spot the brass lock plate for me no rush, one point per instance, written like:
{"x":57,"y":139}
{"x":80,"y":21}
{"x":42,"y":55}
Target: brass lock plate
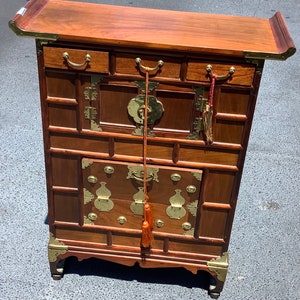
{"x":136,"y":109}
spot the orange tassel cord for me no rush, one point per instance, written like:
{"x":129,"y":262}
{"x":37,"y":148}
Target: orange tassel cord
{"x":146,"y":235}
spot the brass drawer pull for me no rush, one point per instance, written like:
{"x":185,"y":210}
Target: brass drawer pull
{"x":87,"y":59}
{"x":209,"y":70}
{"x":159,"y":65}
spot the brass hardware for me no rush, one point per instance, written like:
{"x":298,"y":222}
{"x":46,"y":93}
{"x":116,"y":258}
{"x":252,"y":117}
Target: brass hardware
{"x":87,"y":221}
{"x":140,"y":131}
{"x":92,"y":179}
{"x":142,"y":85}
{"x":250,"y":56}
{"x":87,"y":196}
{"x":122,"y":220}
{"x":159,"y":223}
{"x":197,"y":127}
{"x":192,"y":208}
{"x":136,"y":109}
{"x":86,"y":163}
{"x":109,"y":170}
{"x":191,"y":189}
{"x":55,"y":248}
{"x":201,"y":101}
{"x":92,"y":216}
{"x":137,"y":207}
{"x":87,"y":59}
{"x":175,"y":177}
{"x":219,"y":266}
{"x":90,"y":92}
{"x":95,"y":126}
{"x":137,"y":173}
{"x":198,"y":175}
{"x":103,"y":203}
{"x":199,"y":107}
{"x":221,"y":77}
{"x":36,"y":35}
{"x":90,"y":113}
{"x":186,"y":226}
{"x":159,"y":65}
{"x":175,"y":210}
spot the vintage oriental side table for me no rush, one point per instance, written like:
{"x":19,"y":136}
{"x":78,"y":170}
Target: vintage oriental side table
{"x":146,"y":119}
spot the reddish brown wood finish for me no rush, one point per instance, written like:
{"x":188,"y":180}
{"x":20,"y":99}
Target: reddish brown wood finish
{"x":78,"y":146}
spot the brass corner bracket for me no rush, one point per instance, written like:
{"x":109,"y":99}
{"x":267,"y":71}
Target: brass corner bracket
{"x":55,"y":248}
{"x":219,"y":266}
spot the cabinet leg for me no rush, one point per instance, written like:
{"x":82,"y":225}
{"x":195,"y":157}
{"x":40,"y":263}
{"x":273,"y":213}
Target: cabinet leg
{"x":57,"y":269}
{"x":215,"y":288}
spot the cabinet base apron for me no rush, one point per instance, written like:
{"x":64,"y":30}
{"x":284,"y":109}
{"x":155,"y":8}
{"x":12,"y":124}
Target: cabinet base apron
{"x":217,"y":267}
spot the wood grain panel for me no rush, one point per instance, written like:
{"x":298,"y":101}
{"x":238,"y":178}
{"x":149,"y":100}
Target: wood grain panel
{"x":64,"y":171}
{"x":66,"y":207}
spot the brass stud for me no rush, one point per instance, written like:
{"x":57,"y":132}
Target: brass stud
{"x":109,"y":170}
{"x":92,"y":179}
{"x":186,"y":226}
{"x":159,"y":223}
{"x":175,"y":177}
{"x":122,"y":220}
{"x":191,"y":189}
{"x":92,"y":216}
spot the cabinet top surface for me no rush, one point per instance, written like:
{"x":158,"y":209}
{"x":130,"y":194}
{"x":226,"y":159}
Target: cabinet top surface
{"x":155,"y":29}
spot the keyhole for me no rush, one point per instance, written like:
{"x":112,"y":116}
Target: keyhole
{"x":141,"y":111}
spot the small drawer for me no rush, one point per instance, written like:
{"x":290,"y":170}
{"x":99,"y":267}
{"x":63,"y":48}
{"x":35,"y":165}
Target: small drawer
{"x":243,"y":74}
{"x":126,"y":64}
{"x":78,"y":60}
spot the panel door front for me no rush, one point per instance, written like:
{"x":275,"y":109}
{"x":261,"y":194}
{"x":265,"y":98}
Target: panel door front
{"x":114,"y":196}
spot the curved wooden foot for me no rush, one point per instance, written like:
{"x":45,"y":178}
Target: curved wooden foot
{"x":57,"y":269}
{"x":215,"y":288}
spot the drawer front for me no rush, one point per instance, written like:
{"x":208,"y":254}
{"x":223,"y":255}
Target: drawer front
{"x":243,"y":74}
{"x":77,"y":60}
{"x":126,"y":64}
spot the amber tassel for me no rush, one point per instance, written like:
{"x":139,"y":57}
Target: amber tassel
{"x":146,"y":235}
{"x":148,"y":214}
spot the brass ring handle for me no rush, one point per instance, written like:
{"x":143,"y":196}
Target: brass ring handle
{"x":141,"y":179}
{"x":87,"y":59}
{"x":220,"y":77}
{"x":159,"y":65}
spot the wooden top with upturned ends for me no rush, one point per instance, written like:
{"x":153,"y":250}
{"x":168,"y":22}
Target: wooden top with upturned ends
{"x":155,"y":29}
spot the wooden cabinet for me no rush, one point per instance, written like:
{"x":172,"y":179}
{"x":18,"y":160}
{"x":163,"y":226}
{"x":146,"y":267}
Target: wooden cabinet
{"x":146,"y":127}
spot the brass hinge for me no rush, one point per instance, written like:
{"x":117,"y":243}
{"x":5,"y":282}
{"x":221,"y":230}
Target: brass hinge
{"x":198,"y":126}
{"x":90,"y":113}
